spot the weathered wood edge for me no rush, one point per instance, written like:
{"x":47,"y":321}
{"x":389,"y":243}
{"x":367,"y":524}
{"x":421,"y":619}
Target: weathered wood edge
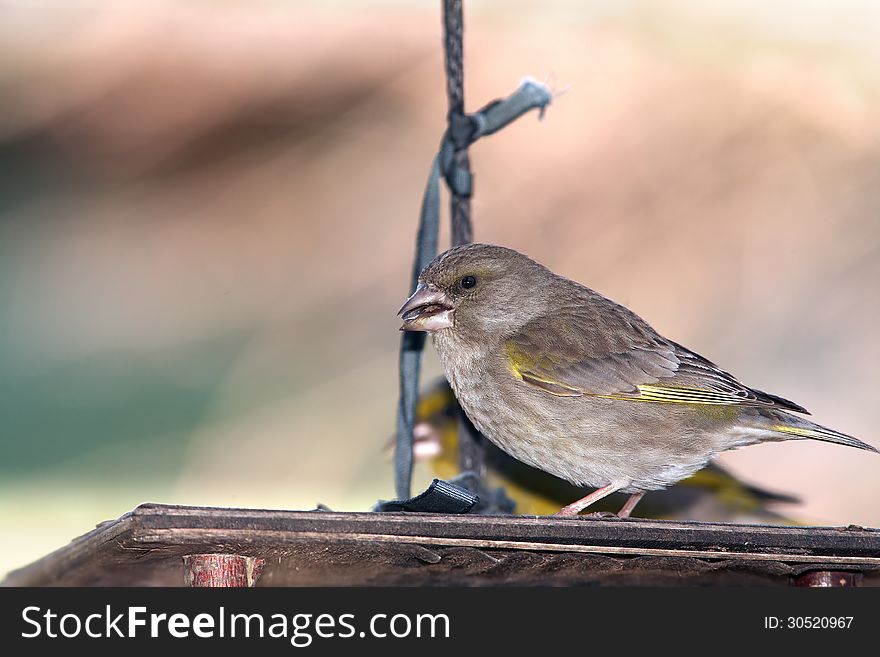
{"x":165,"y":531}
{"x":598,"y":532}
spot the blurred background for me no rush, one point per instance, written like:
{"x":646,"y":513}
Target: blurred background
{"x":208,"y":209}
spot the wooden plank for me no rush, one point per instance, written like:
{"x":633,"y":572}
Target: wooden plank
{"x":146,"y":546}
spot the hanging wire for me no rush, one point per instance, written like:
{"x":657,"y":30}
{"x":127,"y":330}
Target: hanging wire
{"x":453,"y":45}
{"x":451,"y":162}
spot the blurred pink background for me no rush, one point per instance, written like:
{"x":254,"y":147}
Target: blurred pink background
{"x":207,"y":214}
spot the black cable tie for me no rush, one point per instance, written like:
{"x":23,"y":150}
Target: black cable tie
{"x":440,"y":497}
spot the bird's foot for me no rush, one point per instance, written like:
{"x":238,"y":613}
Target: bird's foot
{"x":575,"y":508}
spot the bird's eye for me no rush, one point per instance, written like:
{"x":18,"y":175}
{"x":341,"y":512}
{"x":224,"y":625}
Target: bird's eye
{"x":468,"y":282}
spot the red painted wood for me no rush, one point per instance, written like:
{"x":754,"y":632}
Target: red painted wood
{"x":828,"y":578}
{"x":221,"y":570}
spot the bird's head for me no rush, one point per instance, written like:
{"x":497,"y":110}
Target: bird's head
{"x":477,"y":290}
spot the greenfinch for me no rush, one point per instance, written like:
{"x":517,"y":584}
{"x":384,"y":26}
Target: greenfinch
{"x":574,"y":384}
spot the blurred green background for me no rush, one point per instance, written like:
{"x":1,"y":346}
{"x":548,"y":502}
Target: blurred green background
{"x":207,"y":212}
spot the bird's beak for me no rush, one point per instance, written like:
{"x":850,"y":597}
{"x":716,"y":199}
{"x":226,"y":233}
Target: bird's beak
{"x":428,"y":309}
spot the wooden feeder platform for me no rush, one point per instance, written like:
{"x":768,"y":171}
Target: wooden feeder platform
{"x":159,"y":545}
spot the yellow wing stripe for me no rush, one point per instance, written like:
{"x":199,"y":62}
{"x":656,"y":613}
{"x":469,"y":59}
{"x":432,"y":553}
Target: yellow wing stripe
{"x":677,"y":395}
{"x":803,"y":433}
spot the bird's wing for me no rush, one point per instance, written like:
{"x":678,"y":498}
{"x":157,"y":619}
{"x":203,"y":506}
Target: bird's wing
{"x":602,"y":349}
{"x":596,"y":349}
{"x":699,"y":372}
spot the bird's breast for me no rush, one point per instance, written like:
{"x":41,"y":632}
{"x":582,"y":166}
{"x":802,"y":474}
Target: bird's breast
{"x":472,"y":371}
{"x":494,"y":400}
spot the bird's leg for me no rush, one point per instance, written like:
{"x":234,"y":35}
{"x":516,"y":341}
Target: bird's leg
{"x":576,"y":507}
{"x":630,"y":505}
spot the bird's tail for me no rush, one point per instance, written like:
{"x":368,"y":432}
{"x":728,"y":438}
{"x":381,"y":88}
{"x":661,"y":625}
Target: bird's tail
{"x":793,"y":427}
